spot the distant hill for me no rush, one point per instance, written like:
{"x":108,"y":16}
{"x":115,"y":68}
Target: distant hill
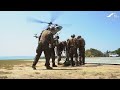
{"x":93,"y":53}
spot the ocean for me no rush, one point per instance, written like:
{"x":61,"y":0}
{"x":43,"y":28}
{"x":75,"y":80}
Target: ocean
{"x":102,"y":60}
{"x":15,"y":57}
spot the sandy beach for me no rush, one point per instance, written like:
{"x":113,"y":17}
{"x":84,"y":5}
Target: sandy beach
{"x":21,"y":69}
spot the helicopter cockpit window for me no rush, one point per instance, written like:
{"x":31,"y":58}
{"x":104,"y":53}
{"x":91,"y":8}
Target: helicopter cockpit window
{"x":58,"y":27}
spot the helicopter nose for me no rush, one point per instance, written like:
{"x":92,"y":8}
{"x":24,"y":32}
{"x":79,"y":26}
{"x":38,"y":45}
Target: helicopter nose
{"x":59,"y":27}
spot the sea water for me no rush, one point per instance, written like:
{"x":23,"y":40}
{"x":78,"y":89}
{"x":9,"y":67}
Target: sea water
{"x":15,"y":57}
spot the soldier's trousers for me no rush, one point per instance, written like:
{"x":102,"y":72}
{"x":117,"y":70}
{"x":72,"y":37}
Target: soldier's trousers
{"x":52,"y":55}
{"x":59,"y":57}
{"x":82,"y":55}
{"x":39,"y":50}
{"x":72,"y":54}
{"x":67,"y":55}
{"x":58,"y":52}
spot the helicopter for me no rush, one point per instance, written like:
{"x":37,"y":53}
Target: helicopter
{"x":50,"y":24}
{"x":56,"y":27}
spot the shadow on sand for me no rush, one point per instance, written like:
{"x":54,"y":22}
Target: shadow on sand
{"x":70,"y":68}
{"x":73,"y":68}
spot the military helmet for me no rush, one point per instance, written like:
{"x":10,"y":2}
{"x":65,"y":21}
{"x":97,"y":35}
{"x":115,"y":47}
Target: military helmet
{"x":73,"y":35}
{"x":57,"y":37}
{"x":79,"y":37}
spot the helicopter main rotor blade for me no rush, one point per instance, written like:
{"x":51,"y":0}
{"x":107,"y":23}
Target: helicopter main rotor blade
{"x":36,"y":20}
{"x":55,"y":15}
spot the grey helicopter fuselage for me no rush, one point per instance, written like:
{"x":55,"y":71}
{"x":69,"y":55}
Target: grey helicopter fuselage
{"x":57,"y":28}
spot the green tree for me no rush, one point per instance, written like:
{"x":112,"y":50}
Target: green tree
{"x":118,"y":51}
{"x":107,"y":53}
{"x":88,"y":53}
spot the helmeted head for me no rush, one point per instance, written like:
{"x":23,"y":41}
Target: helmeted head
{"x":78,"y":37}
{"x":64,"y":42}
{"x":73,"y":35}
{"x":57,"y":37}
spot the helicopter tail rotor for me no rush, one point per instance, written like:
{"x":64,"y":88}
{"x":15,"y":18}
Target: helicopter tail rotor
{"x":35,"y":35}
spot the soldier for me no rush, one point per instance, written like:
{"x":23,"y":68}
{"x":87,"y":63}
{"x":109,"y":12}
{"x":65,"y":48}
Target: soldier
{"x":59,"y":49}
{"x":55,"y":43}
{"x":45,"y":38}
{"x":81,"y":47}
{"x":67,"y":51}
{"x":72,"y":49}
{"x":52,"y":50}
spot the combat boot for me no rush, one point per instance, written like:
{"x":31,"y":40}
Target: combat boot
{"x":72,"y":63}
{"x":80,"y":63}
{"x":53,"y":65}
{"x":77,"y":64}
{"x":59,"y":63}
{"x":48,"y":67}
{"x":83,"y":63}
{"x":34,"y":68}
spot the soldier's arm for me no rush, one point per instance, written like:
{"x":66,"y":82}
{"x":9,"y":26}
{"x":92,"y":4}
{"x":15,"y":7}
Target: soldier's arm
{"x":51,"y":38}
{"x":39,"y":38}
{"x":84,"y":42}
{"x":40,"y":35}
{"x":76,"y":42}
{"x":68,"y":43}
{"x":64,"y":47}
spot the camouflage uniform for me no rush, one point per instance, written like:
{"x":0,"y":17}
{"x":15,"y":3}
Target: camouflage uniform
{"x":45,"y":38}
{"x":67,"y":51}
{"x":72,"y":49}
{"x":52,"y":53}
{"x":59,"y":49}
{"x":81,"y":47}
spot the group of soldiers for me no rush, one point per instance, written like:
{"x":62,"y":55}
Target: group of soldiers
{"x":73,"y":47}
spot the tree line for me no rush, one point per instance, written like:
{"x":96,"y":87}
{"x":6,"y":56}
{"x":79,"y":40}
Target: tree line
{"x":97,"y":53}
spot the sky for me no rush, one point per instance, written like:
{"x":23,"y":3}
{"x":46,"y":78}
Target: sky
{"x":100,"y":29}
